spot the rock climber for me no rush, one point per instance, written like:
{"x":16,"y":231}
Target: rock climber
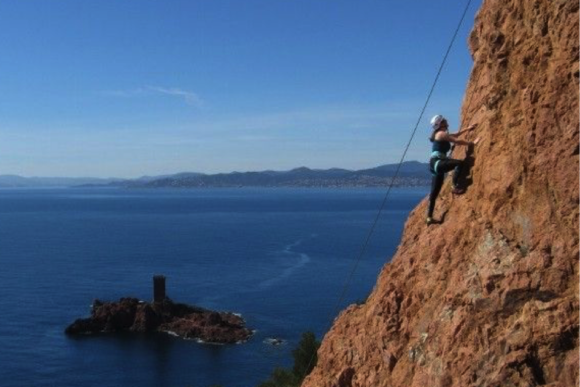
{"x":440,"y":164}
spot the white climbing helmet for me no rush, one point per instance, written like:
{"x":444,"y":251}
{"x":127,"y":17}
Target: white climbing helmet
{"x":436,"y":121}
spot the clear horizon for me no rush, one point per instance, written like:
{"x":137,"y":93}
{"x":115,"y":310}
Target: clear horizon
{"x":128,"y":89}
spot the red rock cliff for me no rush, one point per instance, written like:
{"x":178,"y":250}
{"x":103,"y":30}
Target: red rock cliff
{"x":489,"y":297}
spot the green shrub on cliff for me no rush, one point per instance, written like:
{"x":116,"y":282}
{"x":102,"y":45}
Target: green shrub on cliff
{"x":282,"y":378}
{"x":305,"y":356}
{"x":305,"y":359}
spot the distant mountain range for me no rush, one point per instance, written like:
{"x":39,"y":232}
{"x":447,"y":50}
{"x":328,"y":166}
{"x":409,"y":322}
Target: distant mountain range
{"x":412,"y":173}
{"x":16,"y":181}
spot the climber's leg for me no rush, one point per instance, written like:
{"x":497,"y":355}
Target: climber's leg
{"x":449,"y":165}
{"x":436,"y":184}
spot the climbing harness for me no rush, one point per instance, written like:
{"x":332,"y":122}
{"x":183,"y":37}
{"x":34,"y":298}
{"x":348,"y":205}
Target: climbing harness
{"x":438,"y":156}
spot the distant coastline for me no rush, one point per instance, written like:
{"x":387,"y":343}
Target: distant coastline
{"x":410,"y":174}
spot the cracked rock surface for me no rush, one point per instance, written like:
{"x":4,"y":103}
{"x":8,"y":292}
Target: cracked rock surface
{"x":489,"y":297}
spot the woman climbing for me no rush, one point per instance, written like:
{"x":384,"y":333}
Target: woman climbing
{"x":440,"y":164}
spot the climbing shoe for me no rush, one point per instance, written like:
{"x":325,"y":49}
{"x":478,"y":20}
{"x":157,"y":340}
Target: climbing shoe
{"x":429,"y":221}
{"x":458,"y":191}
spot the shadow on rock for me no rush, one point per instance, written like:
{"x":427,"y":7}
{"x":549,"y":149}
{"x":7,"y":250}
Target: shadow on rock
{"x":465,"y":178}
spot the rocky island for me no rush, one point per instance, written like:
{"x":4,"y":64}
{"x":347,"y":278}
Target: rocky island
{"x":162,"y":315}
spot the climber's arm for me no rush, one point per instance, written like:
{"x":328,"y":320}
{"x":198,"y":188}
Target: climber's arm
{"x":453,"y":138}
{"x":467,"y":130}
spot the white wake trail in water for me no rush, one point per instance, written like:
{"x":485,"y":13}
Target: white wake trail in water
{"x":300,"y":260}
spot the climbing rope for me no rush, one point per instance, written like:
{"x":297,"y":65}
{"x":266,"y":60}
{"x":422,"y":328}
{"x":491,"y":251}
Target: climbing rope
{"x":377,"y":217}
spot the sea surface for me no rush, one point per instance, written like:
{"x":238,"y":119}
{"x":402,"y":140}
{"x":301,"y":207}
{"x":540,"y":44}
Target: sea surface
{"x":280,"y":257}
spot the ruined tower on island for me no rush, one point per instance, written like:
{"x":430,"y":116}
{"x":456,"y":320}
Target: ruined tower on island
{"x":158,"y":288}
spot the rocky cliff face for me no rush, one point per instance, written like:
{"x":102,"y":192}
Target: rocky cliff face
{"x":490,"y":296}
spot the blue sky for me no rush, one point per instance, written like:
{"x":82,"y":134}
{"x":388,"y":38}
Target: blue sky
{"x":127,"y":88}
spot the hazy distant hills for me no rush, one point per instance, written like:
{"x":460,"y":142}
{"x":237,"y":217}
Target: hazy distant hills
{"x":412,"y":173}
{"x":15,"y":181}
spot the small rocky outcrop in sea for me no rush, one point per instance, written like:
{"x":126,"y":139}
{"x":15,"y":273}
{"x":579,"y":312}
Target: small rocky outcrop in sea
{"x":190,"y":322}
{"x":162,"y":315}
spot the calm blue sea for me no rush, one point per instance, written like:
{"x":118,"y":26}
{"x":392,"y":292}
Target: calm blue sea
{"x":280,"y":257}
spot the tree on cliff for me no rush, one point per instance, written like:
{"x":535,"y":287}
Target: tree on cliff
{"x":305,"y":358}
